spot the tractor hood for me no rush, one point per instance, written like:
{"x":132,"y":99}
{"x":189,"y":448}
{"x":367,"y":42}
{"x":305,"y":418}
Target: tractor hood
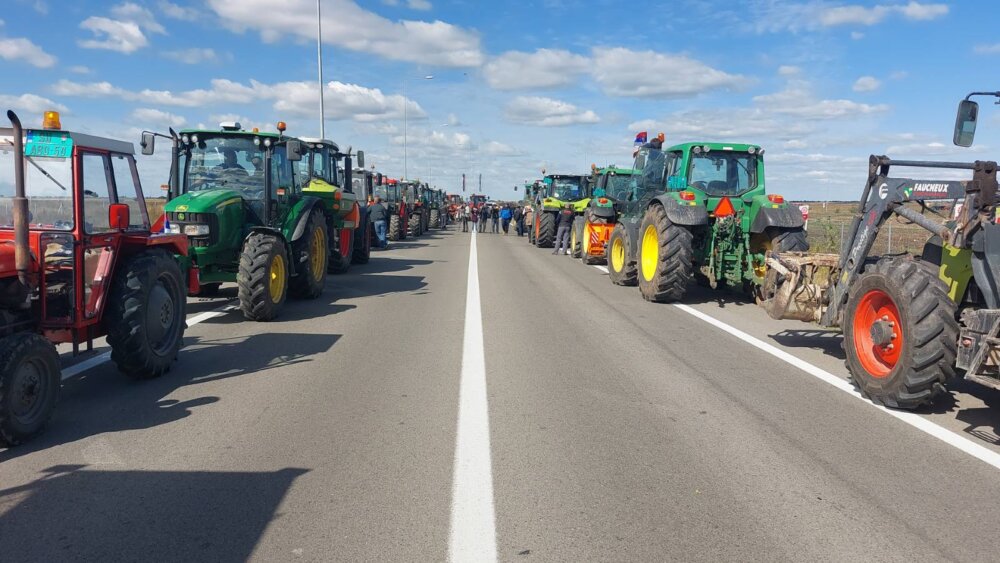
{"x":207,"y":201}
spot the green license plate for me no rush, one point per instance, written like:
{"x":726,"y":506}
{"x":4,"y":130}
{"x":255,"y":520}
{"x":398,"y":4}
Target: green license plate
{"x":48,"y":144}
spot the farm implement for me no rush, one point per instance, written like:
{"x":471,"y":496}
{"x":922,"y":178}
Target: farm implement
{"x":592,"y":229}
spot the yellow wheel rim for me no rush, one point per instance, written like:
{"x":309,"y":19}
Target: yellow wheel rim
{"x":650,"y":252}
{"x":276,"y":285}
{"x":317,"y":251}
{"x":586,"y":239}
{"x":618,"y":255}
{"x":572,"y":239}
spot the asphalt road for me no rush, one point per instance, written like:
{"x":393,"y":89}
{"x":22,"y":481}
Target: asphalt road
{"x":616,"y":430}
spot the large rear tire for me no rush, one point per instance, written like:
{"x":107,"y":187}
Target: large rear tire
{"x":29,"y":386}
{"x":576,"y":237}
{"x":415,"y":224}
{"x":145,"y":315}
{"x":395,"y":228}
{"x":789,"y":240}
{"x":900,"y":333}
{"x":263,"y":277}
{"x":435,"y":219}
{"x":340,"y":255}
{"x":621,"y":266}
{"x":665,"y":257}
{"x":546,"y":235}
{"x":314,"y":247}
{"x":362,"y":244}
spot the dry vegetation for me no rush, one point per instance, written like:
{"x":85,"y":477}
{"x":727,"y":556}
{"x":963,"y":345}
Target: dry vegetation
{"x":829,"y":225}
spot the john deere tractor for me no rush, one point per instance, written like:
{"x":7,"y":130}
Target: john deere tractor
{"x":557,"y":191}
{"x":700,"y":211}
{"x":591,"y":230}
{"x":437,"y":209}
{"x":322,"y":179}
{"x":240,"y":197}
{"x":413,"y":195}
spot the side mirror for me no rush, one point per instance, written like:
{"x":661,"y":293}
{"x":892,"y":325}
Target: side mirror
{"x":118,"y":216}
{"x":965,"y":123}
{"x":293,"y":149}
{"x":147,"y":143}
{"x":361,"y":159}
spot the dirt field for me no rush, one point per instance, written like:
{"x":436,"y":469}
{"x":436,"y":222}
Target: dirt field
{"x":828,"y":226}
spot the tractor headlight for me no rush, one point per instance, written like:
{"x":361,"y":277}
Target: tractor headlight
{"x":194,"y":139}
{"x":185,"y":139}
{"x":195,"y":230}
{"x":174,"y":229}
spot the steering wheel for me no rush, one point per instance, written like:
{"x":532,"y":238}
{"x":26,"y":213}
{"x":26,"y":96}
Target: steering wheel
{"x":700,"y":184}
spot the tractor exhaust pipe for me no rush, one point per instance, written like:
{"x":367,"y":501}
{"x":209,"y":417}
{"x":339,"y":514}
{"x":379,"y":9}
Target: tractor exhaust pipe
{"x":22,"y":256}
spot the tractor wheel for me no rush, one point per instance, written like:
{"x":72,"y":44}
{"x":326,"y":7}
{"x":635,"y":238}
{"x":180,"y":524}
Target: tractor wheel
{"x":340,"y":257}
{"x":665,"y":257}
{"x":311,"y":277}
{"x":394,"y":228}
{"x":263,"y":277}
{"x":435,"y":219}
{"x":788,"y":240}
{"x":29,"y":386}
{"x":545,"y":237}
{"x":621,"y":267}
{"x":362,"y":244}
{"x":414,"y":226}
{"x":900,"y":333}
{"x":145,"y":315}
{"x":576,"y":237}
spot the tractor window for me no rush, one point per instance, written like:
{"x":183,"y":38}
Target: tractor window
{"x":281,"y":170}
{"x":48,"y":183}
{"x":96,"y":198}
{"x":618,"y":186}
{"x":233,"y":163}
{"x":128,"y":190}
{"x":723,"y":173}
{"x":653,"y":171}
{"x":566,"y":189}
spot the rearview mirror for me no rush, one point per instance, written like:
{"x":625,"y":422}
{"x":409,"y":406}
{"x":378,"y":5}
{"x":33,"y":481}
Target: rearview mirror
{"x":361,"y":159}
{"x":965,"y":123}
{"x":293,"y":150}
{"x":118,"y":216}
{"x":147,"y":142}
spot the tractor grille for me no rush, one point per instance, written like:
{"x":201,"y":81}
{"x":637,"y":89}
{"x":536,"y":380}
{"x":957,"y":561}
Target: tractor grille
{"x":210,"y":219}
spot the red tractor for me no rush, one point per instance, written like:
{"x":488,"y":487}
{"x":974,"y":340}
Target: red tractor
{"x":455,"y":203}
{"x":78,"y":262}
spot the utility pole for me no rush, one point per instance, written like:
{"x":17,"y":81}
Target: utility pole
{"x":319,"y":58}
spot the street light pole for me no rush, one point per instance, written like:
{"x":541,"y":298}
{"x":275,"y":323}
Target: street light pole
{"x":319,"y":58}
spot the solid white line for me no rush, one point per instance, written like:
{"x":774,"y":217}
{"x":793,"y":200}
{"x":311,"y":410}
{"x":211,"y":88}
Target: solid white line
{"x":602,"y":268}
{"x":78,"y":368}
{"x":472,"y":536}
{"x":953,"y":439}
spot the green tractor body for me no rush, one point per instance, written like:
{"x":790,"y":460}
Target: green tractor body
{"x":611,"y":187}
{"x":556,"y":192}
{"x":701,"y":210}
{"x":323,"y":178}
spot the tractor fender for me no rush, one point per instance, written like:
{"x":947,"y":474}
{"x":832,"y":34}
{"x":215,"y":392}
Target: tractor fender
{"x":603,"y":212}
{"x":631,"y":225}
{"x":304,"y":210}
{"x":284,"y":240}
{"x":362,"y":218}
{"x":687,"y":215}
{"x":785,"y":217}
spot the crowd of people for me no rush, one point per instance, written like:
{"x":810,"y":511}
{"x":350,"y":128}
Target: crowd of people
{"x":493,"y":218}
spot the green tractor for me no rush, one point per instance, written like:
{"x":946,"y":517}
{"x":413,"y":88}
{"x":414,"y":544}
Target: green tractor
{"x":240,"y":197}
{"x":323,"y":179}
{"x":437,"y":209}
{"x":557,"y":190}
{"x":699,"y":211}
{"x":591,"y":230}
{"x":414,"y":194}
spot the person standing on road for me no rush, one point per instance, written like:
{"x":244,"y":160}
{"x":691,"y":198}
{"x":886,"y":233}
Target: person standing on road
{"x":518,"y":217}
{"x":379,"y":217}
{"x":475,"y":220}
{"x":505,"y":216}
{"x":464,"y":216}
{"x":496,"y":219}
{"x":484,"y":216}
{"x":566,"y":217}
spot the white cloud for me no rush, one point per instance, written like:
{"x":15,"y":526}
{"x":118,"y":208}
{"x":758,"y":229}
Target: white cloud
{"x":798,"y":101}
{"x":31,"y":103}
{"x":789,"y":70}
{"x":347,"y":25}
{"x":856,"y":35}
{"x":13,"y":49}
{"x":178,"y":12}
{"x":193,"y":56}
{"x":545,"y":68}
{"x":898,"y":75}
{"x":866,"y":84}
{"x":918,"y":11}
{"x":496,"y":148}
{"x":124,"y":32}
{"x":453,"y":120}
{"x":158,"y":117}
{"x":773,"y":16}
{"x":80,"y":69}
{"x":419,"y":4}
{"x":861,"y":15}
{"x":985,"y":49}
{"x":795,"y":144}
{"x":546,"y":112}
{"x":658,"y":75}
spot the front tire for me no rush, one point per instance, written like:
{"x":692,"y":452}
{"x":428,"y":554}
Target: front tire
{"x":263,"y":277}
{"x":665,"y":257}
{"x":363,"y":244}
{"x":576,"y":237}
{"x":621,"y":266}
{"x":415,"y":224}
{"x":435,"y":221}
{"x":30,"y":382}
{"x":394,"y":228}
{"x":145,"y":315}
{"x":340,"y":257}
{"x":900,"y":334}
{"x":545,"y":238}
{"x":311,"y":278}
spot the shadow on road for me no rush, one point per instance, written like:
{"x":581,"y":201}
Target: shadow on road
{"x":81,"y":514}
{"x":830,"y":342}
{"x":385,"y":265}
{"x":106,"y":401}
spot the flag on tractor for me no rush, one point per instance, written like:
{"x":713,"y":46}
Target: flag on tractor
{"x":640,"y":139}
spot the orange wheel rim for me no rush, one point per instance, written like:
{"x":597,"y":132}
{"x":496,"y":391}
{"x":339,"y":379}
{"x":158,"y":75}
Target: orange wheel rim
{"x":877,"y":317}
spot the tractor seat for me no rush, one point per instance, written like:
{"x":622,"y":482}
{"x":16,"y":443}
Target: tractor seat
{"x":718,"y":187}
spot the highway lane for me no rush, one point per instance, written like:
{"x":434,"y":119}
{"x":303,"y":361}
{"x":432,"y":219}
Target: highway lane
{"x":618,"y":430}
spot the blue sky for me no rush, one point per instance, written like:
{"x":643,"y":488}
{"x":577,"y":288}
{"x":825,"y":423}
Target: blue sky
{"x":521,"y":86}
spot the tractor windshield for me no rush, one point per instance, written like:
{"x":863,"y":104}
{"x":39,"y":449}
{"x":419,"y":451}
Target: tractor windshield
{"x":618,"y":186}
{"x":566,"y":189}
{"x":48,"y":183}
{"x":723,"y":173}
{"x":228,"y":162}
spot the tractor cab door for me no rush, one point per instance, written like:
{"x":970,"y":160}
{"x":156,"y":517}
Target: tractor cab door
{"x":285,"y":187}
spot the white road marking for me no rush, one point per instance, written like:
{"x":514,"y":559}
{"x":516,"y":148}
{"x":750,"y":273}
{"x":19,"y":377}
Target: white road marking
{"x":603,"y":269}
{"x":78,"y":368}
{"x":472,"y":536}
{"x":953,"y":439}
